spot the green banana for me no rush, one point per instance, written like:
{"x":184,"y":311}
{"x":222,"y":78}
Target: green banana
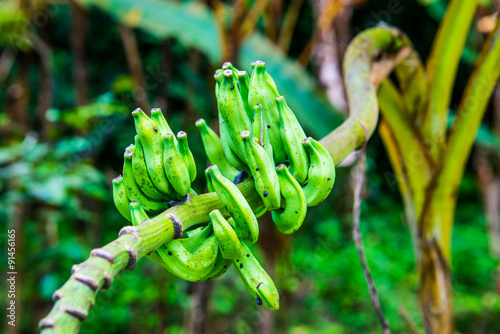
{"x":292,"y":136}
{"x":269,"y":78}
{"x":161,"y":122}
{"x":321,"y":176}
{"x":290,"y":219}
{"x":186,"y":154}
{"x":139,"y":216}
{"x":142,"y":177}
{"x":214,"y":150}
{"x":221,"y":266}
{"x":246,"y":225}
{"x":134,"y":193}
{"x":225,"y":138}
{"x":261,"y":92}
{"x":234,"y":116}
{"x":263,"y":172}
{"x":244,"y":86}
{"x":259,"y":133}
{"x":120,"y":197}
{"x":152,"y":144}
{"x":229,"y":243}
{"x":256,"y":280}
{"x":175,"y":168}
{"x":192,"y":258}
{"x":218,"y":76}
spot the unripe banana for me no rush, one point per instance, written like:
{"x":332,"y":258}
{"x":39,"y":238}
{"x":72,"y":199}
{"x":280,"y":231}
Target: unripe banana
{"x":218,"y":76}
{"x":214,"y":150}
{"x":229,"y":66}
{"x":259,"y":132}
{"x":139,"y":216}
{"x":120,"y":197}
{"x":290,"y":219}
{"x":162,"y":124}
{"x":256,"y":280}
{"x":142,"y":177}
{"x":246,"y":225}
{"x":229,"y":243}
{"x":175,"y":168}
{"x":321,"y":176}
{"x":225,"y":138}
{"x":152,"y":144}
{"x":221,"y":266}
{"x":261,"y":92}
{"x":263,"y":172}
{"x":134,"y":193}
{"x":232,"y":110}
{"x":244,"y":86}
{"x":186,"y":154}
{"x":292,"y":136}
{"x":192,"y":258}
{"x":269,"y":78}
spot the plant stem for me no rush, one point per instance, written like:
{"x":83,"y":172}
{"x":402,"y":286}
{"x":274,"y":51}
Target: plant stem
{"x":78,"y":294}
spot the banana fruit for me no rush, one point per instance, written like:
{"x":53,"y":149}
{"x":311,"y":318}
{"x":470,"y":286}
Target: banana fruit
{"x":192,"y":258}
{"x":256,"y":280}
{"x":290,"y":218}
{"x":321,"y":175}
{"x":214,"y":151}
{"x":229,"y":243}
{"x":246,"y":225}
{"x":263,"y":172}
{"x":292,"y":136}
{"x":120,"y":197}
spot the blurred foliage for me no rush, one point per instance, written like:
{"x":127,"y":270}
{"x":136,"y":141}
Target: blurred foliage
{"x":56,"y":167}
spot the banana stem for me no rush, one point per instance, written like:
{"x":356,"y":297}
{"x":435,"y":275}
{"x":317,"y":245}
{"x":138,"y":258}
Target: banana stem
{"x":74,"y":300}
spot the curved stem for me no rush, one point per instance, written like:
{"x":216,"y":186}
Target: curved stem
{"x":73,"y":301}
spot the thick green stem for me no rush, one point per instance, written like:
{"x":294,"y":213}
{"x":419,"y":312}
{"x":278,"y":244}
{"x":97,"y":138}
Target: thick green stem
{"x":442,"y":67}
{"x":77,"y":296}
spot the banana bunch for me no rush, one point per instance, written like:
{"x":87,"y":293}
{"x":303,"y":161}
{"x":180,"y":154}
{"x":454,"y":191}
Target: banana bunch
{"x":260,"y":138}
{"x":158,"y":168}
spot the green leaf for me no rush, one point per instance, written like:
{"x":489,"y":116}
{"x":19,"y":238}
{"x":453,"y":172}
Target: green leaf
{"x":189,"y":22}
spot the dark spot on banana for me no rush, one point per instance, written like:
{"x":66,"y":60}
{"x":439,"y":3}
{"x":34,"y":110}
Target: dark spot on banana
{"x":155,"y":129}
{"x":169,"y":253}
{"x":296,"y":212}
{"x":268,"y":126}
{"x":241,"y":265}
{"x":257,"y":168}
{"x":248,"y":255}
{"x":237,"y":260}
{"x":232,"y":87}
{"x":329,"y":178}
{"x":225,"y":267}
{"x":265,"y":193}
{"x":259,"y":301}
